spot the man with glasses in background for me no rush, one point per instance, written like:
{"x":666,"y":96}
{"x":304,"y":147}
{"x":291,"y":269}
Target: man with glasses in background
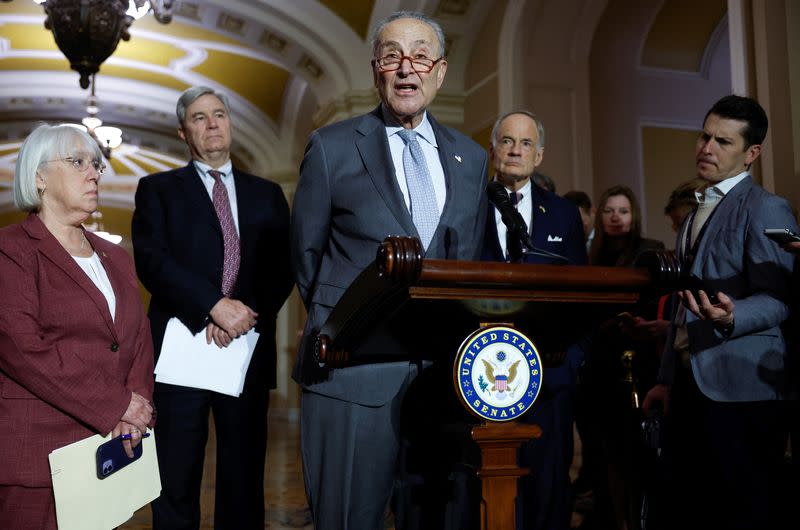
{"x":393,"y":171}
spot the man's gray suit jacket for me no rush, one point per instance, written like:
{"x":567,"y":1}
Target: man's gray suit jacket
{"x":734,"y":256}
{"x":347,"y":202}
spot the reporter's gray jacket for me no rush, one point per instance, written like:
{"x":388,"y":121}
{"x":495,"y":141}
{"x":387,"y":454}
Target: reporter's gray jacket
{"x":735,"y":257}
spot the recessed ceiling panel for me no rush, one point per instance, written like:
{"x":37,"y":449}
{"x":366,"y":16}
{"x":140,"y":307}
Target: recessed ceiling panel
{"x":260,"y":82}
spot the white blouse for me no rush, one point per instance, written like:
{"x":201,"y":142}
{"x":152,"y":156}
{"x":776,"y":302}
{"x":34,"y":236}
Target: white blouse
{"x":95,"y":271}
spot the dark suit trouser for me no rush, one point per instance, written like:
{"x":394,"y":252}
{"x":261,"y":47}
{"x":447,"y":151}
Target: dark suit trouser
{"x":545,"y":496}
{"x":182,"y":432}
{"x":726,"y":458}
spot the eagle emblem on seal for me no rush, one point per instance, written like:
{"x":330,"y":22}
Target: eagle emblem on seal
{"x":500,"y":376}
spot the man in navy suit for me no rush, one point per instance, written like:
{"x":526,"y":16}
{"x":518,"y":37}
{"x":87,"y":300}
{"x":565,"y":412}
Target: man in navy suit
{"x":555,"y":227}
{"x":724,"y":377}
{"x":211,"y":245}
{"x":554,"y":223}
{"x":358,"y":184}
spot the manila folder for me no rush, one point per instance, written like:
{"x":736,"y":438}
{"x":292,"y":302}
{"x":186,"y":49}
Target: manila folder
{"x":84,"y":502}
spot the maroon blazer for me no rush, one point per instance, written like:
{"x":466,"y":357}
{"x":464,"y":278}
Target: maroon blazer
{"x":66,"y":368}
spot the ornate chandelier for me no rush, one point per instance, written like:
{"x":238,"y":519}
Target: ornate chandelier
{"x":88,"y":31}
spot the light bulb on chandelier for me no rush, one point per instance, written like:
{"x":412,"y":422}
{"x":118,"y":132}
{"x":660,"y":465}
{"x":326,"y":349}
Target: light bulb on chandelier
{"x":106,"y":136}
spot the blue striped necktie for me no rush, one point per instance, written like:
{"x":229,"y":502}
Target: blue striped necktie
{"x":424,"y":211}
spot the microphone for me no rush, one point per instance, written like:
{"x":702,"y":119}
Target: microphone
{"x":516,"y":226}
{"x":510,"y":215}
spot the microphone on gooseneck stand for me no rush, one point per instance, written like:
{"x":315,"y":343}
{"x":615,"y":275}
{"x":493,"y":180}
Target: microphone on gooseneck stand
{"x":516,"y":226}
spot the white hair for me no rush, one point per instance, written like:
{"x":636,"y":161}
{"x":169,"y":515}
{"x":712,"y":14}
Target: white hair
{"x":45,"y":144}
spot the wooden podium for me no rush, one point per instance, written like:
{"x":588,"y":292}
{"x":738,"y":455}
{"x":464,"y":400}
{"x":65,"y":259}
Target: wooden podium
{"x":405,"y":306}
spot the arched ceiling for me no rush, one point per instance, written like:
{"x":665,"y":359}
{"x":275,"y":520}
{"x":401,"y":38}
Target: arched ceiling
{"x":680,"y":42}
{"x":280,"y":62}
{"x":236,"y":46}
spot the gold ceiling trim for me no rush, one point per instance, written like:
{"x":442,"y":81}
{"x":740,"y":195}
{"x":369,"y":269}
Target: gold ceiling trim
{"x":159,"y":62}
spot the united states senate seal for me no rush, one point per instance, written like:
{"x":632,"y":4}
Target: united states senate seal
{"x":498,"y":373}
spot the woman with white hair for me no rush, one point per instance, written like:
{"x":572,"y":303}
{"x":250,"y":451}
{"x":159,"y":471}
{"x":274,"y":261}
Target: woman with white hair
{"x":76,"y":357}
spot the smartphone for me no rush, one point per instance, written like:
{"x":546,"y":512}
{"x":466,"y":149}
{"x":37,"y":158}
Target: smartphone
{"x":695,"y":284}
{"x":781,"y":236}
{"x":111,"y":457}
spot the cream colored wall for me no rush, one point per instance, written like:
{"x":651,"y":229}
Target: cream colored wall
{"x":626,"y":97}
{"x":668,"y":161}
{"x":554,"y":77}
{"x":774,"y":32}
{"x":480,"y":79}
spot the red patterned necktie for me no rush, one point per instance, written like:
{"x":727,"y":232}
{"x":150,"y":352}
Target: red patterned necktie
{"x":231,"y":257}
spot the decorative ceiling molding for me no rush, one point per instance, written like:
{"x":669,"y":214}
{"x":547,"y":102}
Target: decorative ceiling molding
{"x":324,"y":60}
{"x":346,"y":106}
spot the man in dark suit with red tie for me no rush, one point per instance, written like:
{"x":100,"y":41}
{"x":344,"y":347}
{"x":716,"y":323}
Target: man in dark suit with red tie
{"x":556,"y":231}
{"x":211,"y":245}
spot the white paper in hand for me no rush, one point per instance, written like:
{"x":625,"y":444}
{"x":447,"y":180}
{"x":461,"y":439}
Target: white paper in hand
{"x":187,"y":360}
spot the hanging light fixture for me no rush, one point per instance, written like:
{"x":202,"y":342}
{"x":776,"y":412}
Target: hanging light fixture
{"x":107,"y":137}
{"x":88,"y":31}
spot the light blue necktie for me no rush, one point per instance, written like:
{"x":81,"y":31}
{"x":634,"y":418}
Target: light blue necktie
{"x":424,"y":211}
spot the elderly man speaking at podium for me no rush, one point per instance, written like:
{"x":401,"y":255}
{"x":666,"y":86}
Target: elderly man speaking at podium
{"x":394,"y":171}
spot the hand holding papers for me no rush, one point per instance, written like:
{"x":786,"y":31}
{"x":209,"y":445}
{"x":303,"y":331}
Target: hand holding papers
{"x":84,"y":502}
{"x":187,"y":360}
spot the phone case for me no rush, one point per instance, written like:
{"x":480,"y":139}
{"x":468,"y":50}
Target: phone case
{"x":782,"y":236}
{"x":111,"y":457}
